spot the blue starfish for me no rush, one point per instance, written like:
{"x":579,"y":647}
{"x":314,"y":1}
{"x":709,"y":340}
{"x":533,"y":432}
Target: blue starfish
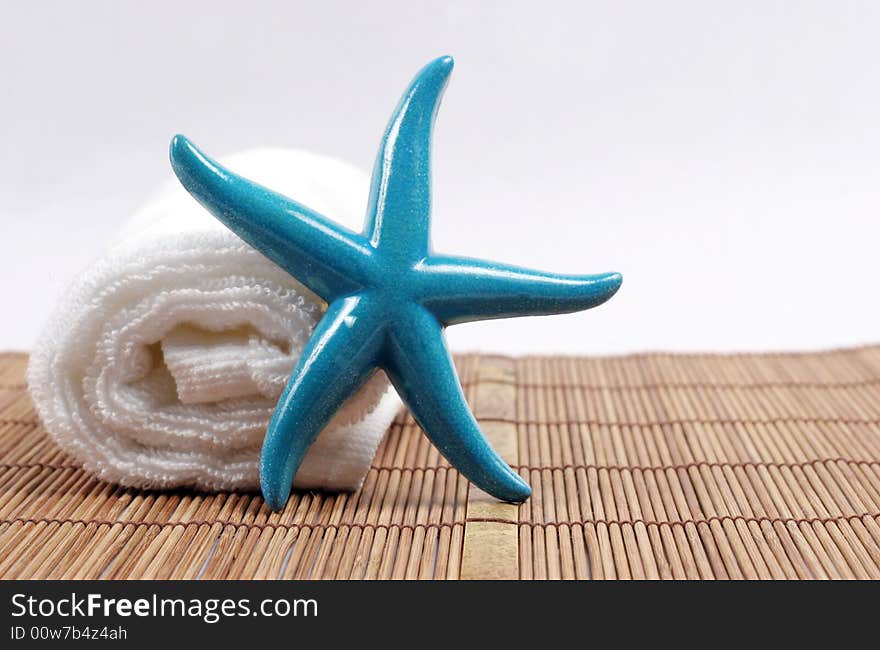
{"x":389,"y":296}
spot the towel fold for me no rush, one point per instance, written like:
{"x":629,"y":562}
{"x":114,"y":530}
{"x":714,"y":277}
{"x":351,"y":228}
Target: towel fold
{"x":162,"y":364}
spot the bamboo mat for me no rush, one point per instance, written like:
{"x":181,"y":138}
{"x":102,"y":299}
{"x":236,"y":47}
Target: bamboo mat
{"x":643,"y":466}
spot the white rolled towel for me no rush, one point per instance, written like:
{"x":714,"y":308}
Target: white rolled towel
{"x":162,"y":364}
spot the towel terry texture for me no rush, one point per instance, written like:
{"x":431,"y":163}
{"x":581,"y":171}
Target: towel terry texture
{"x":162,"y":363}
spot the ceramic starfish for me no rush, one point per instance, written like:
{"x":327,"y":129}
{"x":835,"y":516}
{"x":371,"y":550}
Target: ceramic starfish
{"x":389,"y":296}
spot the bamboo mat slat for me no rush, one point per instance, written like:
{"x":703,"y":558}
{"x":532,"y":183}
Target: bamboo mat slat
{"x":651,"y":466}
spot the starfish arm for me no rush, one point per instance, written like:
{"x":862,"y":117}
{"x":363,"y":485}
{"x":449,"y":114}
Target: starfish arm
{"x":339,"y":357}
{"x":328,"y":259}
{"x":458,"y":290}
{"x":421,"y":369}
{"x":399,"y":208}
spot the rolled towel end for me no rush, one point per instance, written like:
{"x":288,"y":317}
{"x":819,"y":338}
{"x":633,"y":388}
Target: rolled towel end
{"x":162,"y":364}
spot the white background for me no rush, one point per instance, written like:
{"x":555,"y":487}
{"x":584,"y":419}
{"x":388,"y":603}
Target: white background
{"x":725,"y":157}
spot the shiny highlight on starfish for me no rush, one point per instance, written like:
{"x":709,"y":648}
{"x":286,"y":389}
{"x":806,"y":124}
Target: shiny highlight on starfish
{"x":389,"y":296}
